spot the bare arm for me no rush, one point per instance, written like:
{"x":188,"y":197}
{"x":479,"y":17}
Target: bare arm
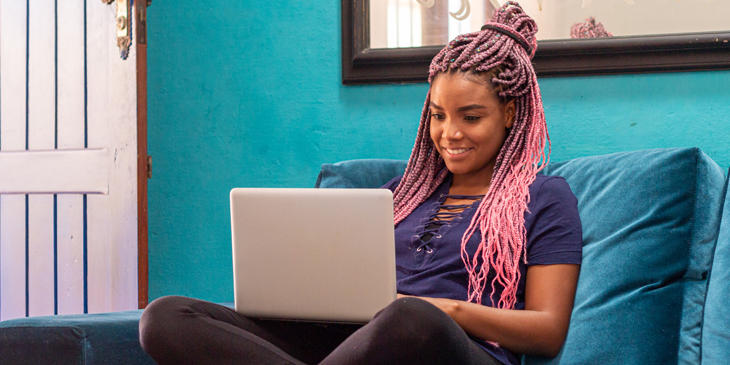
{"x":540,"y":329}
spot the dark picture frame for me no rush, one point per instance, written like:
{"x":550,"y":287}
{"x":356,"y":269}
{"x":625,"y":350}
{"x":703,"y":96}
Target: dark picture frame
{"x":569,"y":57}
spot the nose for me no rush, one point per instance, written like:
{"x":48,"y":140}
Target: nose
{"x":451,"y":131}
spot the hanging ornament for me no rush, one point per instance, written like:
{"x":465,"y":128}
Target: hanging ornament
{"x":463,"y":11}
{"x":426,"y":3}
{"x":539,"y":4}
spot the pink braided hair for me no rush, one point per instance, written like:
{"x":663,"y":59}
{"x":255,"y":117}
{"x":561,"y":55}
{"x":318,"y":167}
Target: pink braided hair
{"x":589,"y":29}
{"x":500,"y":215}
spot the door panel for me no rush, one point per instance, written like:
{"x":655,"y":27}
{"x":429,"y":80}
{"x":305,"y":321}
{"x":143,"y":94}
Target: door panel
{"x":13,"y":34}
{"x":12,"y":257}
{"x":41,"y":136}
{"x":56,"y":171}
{"x":68,"y":192}
{"x":70,"y":253}
{"x":71,"y":135}
{"x":41,"y":270}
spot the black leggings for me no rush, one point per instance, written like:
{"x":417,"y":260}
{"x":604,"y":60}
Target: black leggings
{"x":180,"y":330}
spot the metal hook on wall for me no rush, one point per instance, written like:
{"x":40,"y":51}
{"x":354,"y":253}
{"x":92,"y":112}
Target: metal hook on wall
{"x":460,"y":14}
{"x":463,"y":11}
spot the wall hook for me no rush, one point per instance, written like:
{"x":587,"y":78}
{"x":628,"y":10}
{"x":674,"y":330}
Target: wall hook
{"x":463,"y":11}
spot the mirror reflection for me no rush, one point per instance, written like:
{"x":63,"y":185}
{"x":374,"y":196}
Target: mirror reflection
{"x":416,"y":23}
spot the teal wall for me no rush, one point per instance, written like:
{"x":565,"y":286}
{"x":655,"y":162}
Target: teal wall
{"x":248,"y":94}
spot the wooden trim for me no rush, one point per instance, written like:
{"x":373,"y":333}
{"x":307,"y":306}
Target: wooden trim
{"x":140,"y":13}
{"x":570,"y":57}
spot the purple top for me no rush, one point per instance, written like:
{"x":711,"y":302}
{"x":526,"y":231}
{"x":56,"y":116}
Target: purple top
{"x":435,"y":269}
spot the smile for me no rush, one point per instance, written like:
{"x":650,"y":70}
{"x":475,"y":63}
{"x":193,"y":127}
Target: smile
{"x":457,"y":151}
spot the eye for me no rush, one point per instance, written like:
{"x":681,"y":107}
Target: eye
{"x":471,"y":118}
{"x":437,"y":116}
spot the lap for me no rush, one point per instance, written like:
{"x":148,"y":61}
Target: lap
{"x":410,"y":331}
{"x":229,"y":330}
{"x":406,"y":329}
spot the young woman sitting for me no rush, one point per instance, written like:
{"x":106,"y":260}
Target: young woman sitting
{"x":487,"y":250}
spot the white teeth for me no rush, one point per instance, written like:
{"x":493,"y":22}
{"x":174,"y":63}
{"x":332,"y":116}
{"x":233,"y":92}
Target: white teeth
{"x":456,"y":152}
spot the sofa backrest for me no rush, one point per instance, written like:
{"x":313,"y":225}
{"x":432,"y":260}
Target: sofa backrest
{"x":367,"y":173}
{"x":650,"y":222}
{"x":716,"y":324}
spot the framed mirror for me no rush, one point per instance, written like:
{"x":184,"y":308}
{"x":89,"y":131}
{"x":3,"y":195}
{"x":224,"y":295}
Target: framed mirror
{"x":393,"y":41}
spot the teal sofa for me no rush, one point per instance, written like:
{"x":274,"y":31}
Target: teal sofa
{"x":652,"y":287}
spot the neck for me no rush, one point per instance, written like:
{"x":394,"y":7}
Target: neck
{"x":476,"y":183}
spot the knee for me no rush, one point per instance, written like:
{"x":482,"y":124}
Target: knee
{"x":159,"y":319}
{"x":412,"y":310}
{"x":412,"y":322}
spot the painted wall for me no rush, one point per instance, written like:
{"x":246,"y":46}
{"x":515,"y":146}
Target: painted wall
{"x":249,"y":94}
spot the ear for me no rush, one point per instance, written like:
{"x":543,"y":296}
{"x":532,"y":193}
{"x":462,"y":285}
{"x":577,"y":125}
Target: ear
{"x":509,"y":113}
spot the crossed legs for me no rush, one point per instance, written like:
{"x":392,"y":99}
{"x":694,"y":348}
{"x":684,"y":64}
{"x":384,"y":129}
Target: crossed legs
{"x":180,"y":330}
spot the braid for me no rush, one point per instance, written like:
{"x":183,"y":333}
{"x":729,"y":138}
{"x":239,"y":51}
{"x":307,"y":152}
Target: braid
{"x":502,"y":55}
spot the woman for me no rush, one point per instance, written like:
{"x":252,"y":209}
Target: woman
{"x":487,"y":251}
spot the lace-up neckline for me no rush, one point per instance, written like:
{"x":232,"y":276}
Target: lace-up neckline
{"x":443,"y":214}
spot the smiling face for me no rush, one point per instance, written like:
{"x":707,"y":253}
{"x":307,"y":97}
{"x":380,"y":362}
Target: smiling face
{"x":468,"y":125}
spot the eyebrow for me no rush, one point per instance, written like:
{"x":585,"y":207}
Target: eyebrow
{"x":463,"y":108}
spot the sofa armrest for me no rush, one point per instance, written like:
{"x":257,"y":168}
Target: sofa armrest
{"x":104,"y":338}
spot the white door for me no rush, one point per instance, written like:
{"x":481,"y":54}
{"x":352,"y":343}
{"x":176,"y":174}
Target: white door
{"x":68,"y":160}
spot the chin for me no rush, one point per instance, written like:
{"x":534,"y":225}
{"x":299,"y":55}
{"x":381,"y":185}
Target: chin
{"x":457,"y":169}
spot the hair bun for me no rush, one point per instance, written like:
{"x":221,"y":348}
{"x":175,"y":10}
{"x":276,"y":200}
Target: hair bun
{"x":511,"y":16}
{"x":589,"y":29}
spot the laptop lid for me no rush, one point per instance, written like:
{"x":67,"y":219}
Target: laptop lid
{"x":313,"y":254}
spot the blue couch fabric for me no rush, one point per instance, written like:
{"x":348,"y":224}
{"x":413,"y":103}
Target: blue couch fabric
{"x":716,"y":325}
{"x":372,"y":173}
{"x":650,"y":222}
{"x":104,"y":338}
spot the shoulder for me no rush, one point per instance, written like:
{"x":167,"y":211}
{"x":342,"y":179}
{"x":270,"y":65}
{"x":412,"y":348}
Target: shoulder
{"x":392,"y":184}
{"x":551,"y":201}
{"x":551,"y":188}
{"x":554,"y":232}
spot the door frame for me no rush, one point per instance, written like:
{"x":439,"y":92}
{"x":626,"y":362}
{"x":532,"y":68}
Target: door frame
{"x":144,"y":166}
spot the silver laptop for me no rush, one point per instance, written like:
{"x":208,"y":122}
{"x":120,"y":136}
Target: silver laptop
{"x":313,"y":254}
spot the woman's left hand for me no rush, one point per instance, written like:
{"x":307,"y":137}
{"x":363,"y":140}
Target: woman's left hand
{"x":539,"y":329}
{"x":448,"y":306}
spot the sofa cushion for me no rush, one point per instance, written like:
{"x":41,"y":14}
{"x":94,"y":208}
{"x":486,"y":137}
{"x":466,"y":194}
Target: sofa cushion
{"x":650,"y":221}
{"x":371,"y":173}
{"x":105,"y":338}
{"x":716,"y":325}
